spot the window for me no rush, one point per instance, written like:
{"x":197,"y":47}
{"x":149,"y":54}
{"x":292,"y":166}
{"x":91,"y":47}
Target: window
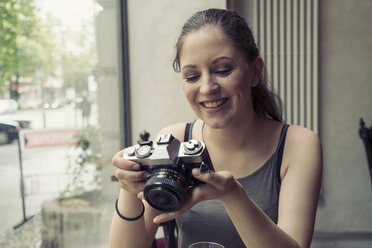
{"x":59,"y":66}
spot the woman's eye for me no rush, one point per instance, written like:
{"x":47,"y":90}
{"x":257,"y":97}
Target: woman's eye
{"x":192,"y":78}
{"x":224,"y":73}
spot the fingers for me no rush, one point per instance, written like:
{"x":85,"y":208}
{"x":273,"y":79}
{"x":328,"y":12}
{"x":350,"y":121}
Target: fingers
{"x":132,"y":186}
{"x":128,"y":173}
{"x":190,"y":202}
{"x":141,"y":196}
{"x":164,"y":217}
{"x":131,"y":176}
{"x":119,"y":162}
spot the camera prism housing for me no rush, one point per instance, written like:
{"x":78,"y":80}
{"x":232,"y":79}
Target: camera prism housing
{"x":169,"y":163}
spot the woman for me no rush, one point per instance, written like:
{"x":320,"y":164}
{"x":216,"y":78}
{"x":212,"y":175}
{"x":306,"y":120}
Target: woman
{"x":265,"y":187}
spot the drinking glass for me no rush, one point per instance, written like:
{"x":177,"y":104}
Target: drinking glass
{"x":206,"y":245}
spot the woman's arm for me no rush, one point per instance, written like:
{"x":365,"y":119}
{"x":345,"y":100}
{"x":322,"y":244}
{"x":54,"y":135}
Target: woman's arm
{"x":301,"y":185}
{"x":141,"y":232}
{"x":138,"y":233}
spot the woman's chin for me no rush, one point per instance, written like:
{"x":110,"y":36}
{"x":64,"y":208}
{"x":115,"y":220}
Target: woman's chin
{"x":215,"y":123}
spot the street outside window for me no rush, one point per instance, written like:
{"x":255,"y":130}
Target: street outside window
{"x":49,"y":131}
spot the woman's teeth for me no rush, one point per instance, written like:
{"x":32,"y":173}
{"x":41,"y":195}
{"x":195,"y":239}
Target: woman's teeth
{"x":214,"y":104}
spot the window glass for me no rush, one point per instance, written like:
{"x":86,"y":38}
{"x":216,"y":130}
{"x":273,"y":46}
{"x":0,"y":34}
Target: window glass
{"x":48,"y":98}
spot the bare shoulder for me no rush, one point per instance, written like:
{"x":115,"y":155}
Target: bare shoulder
{"x":177,"y":130}
{"x":300,"y":138}
{"x":302,"y":148}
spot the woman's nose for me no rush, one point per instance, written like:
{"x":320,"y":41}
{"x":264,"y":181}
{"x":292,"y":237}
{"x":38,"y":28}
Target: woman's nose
{"x":208,"y":85}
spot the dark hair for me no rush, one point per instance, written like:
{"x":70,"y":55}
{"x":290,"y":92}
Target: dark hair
{"x":265,"y":102}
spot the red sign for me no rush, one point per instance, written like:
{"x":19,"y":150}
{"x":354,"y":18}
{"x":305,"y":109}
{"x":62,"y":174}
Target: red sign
{"x":40,"y":138}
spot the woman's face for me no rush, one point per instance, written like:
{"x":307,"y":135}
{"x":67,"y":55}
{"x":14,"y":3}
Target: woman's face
{"x":215,"y":77}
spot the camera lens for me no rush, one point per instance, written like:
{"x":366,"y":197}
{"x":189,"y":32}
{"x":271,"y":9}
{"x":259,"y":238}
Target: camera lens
{"x":165,"y":190}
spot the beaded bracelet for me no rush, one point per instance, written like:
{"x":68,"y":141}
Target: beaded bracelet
{"x":126,"y":218}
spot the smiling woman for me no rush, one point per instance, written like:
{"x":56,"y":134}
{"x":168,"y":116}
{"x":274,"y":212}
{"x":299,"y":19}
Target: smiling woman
{"x":218,"y":79}
{"x":265,"y":102}
{"x":265,"y":187}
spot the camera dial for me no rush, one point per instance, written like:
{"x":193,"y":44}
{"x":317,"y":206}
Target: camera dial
{"x":130,"y":151}
{"x":192,"y":147}
{"x":143,"y":151}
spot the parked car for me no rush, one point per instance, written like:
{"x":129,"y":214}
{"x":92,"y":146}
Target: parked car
{"x":9,"y":129}
{"x":8,"y":106}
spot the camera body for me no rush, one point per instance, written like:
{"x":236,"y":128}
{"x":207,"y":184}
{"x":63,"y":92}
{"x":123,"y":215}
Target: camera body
{"x":169,"y":164}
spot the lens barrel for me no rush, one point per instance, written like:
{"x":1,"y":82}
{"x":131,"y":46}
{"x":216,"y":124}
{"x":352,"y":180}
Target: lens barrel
{"x":165,"y":190}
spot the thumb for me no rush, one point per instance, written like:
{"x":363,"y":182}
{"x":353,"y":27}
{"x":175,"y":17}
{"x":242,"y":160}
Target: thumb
{"x":216,"y":179}
{"x":207,"y":177}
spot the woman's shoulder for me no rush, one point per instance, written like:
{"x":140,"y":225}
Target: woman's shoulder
{"x":302,"y":152}
{"x":302,"y":144}
{"x":299,"y":135}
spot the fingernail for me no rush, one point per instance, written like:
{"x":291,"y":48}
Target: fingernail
{"x":140,"y":196}
{"x":159,"y":219}
{"x":136,"y":167}
{"x":156,"y":220}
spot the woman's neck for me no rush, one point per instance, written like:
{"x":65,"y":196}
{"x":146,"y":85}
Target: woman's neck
{"x":243,"y":133}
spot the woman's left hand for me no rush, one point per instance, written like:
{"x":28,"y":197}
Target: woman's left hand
{"x":219,"y":185}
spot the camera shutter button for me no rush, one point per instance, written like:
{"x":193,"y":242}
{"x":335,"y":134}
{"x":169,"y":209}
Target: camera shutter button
{"x":193,"y":147}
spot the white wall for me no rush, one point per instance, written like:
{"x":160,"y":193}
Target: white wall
{"x":157,"y":99}
{"x":346,"y":95}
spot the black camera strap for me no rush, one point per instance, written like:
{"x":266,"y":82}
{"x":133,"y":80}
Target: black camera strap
{"x":171,"y":237}
{"x":188,"y":131}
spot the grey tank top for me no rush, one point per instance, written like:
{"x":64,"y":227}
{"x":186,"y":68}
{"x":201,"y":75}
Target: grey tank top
{"x":209,"y":221}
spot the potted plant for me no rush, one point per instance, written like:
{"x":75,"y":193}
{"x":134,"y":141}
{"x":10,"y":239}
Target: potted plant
{"x":73,"y":218}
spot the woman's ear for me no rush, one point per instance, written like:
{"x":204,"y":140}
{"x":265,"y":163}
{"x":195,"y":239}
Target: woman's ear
{"x":257,"y":67}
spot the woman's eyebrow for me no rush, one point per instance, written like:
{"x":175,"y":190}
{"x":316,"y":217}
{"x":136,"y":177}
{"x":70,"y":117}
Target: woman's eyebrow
{"x":221,"y":58}
{"x":216,"y":60}
{"x":188,"y":66}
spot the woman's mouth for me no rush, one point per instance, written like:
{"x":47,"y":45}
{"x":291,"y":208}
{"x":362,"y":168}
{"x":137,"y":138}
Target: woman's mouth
{"x":214,"y":104}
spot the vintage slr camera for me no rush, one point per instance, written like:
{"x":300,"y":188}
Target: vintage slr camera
{"x":169,"y":164}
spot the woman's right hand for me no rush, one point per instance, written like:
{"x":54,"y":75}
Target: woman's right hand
{"x":130,"y":177}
